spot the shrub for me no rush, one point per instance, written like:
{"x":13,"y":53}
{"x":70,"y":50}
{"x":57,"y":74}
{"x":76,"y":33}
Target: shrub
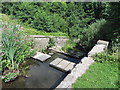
{"x":51,"y":17}
{"x":51,"y":43}
{"x":90,"y":35}
{"x":106,"y":57}
{"x":10,"y":76}
{"x":16,"y":47}
{"x":36,"y":16}
{"x":115,"y":45}
{"x":43,"y":20}
{"x":70,"y":44}
{"x":112,"y":54}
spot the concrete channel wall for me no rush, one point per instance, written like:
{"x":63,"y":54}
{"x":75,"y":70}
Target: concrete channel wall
{"x":41,"y":42}
{"x":83,"y":66}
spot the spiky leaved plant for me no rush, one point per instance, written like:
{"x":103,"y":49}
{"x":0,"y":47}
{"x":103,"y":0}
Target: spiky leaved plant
{"x":9,"y":44}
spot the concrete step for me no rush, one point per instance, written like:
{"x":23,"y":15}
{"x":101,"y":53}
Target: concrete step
{"x":41,"y":56}
{"x":62,"y":64}
{"x":56,"y":61}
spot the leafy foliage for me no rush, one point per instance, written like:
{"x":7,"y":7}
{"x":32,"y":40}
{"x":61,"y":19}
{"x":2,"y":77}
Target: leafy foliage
{"x":16,"y":47}
{"x":106,"y":57}
{"x":91,"y":34}
{"x":51,"y":42}
{"x":10,"y":76}
{"x":56,"y":16}
{"x":69,"y":46}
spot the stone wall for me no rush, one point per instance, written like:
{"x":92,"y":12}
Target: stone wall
{"x":41,"y":42}
{"x":83,"y":66}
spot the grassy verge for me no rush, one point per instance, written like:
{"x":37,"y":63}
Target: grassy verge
{"x":27,"y":29}
{"x":100,"y":75}
{"x":8,"y":19}
{"x":32,"y":31}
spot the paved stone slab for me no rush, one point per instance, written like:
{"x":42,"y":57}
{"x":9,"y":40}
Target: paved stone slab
{"x":41,"y":56}
{"x":56,"y":61}
{"x":70,"y":66}
{"x":62,"y":64}
{"x":38,"y":54}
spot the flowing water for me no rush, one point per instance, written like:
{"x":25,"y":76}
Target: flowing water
{"x":41,"y":74}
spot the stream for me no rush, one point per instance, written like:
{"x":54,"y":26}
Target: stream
{"x":41,"y":74}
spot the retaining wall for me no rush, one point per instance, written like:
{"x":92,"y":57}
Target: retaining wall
{"x":41,"y":42}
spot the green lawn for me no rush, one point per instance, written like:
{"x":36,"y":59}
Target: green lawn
{"x":100,"y":75}
{"x":32,"y":31}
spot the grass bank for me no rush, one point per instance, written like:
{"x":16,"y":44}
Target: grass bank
{"x":100,"y":75}
{"x":32,"y":31}
{"x":27,"y":29}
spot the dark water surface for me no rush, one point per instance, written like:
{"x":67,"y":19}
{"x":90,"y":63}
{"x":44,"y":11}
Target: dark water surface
{"x":68,"y":58}
{"x":41,"y":74}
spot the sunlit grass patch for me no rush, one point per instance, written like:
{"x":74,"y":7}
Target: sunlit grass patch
{"x":100,"y":75}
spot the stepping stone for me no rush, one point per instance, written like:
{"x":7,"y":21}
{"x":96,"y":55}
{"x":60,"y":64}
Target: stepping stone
{"x":62,"y":64}
{"x":56,"y":61}
{"x":41,"y":56}
{"x":69,"y":67}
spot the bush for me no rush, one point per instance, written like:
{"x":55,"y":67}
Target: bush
{"x":36,"y":16}
{"x":90,"y":35}
{"x":10,"y":76}
{"x":112,"y":54}
{"x":106,"y":57}
{"x":51,"y":43}
{"x":16,"y":47}
{"x":70,"y":44}
{"x":50,"y":23}
{"x":51,"y":17}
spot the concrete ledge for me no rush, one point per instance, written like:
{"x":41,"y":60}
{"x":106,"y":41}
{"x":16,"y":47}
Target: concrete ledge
{"x":41,"y":56}
{"x":103,"y":42}
{"x":99,"y":47}
{"x":42,"y":36}
{"x":62,"y":64}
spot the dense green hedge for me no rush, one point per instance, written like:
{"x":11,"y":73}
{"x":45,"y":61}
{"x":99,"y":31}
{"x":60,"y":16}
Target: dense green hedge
{"x":58,"y":16}
{"x":82,"y":20}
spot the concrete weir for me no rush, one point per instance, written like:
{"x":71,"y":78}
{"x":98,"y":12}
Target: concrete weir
{"x":62,"y":64}
{"x":41,"y":56}
{"x":83,"y":66}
